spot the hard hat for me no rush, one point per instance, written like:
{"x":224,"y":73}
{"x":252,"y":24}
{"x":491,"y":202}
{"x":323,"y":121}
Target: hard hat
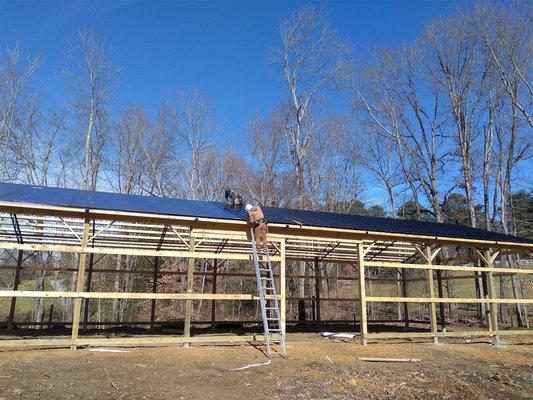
{"x":248,"y":207}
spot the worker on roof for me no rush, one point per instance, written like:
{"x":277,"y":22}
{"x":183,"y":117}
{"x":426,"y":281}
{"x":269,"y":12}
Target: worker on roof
{"x":257,"y":221}
{"x":233,"y":198}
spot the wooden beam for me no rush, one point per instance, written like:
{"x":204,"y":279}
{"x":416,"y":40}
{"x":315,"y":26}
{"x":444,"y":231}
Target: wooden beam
{"x":79,"y":286}
{"x":386,"y":264}
{"x":458,"y":300}
{"x":147,"y":341}
{"x":362,"y":295}
{"x":129,"y":251}
{"x":131,"y":296}
{"x":230,"y":225}
{"x":400,"y":335}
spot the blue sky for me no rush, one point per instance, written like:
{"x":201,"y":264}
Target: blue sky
{"x":221,"y":47}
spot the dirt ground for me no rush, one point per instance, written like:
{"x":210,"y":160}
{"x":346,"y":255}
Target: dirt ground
{"x":315,"y":368}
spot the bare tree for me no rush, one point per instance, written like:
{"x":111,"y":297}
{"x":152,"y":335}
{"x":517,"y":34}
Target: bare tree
{"x":506,"y":35}
{"x":90,"y":78}
{"x":397,"y":102}
{"x":190,"y":121}
{"x":17,"y":103}
{"x":312,"y":58}
{"x":378,"y":154}
{"x":263,"y":173}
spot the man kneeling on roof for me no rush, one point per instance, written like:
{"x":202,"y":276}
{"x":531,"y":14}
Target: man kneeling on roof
{"x":259,"y":225}
{"x":233,"y":198}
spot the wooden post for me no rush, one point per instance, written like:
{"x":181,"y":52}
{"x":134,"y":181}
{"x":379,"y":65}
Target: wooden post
{"x":317,"y":289}
{"x":404,"y":294}
{"x":79,"y":285}
{"x":190,"y":286}
{"x":362,"y":294}
{"x":89,"y":280}
{"x":154,"y":290}
{"x":431,"y":286}
{"x":214,"y":291}
{"x":282,"y":288}
{"x":493,"y":314}
{"x":16,"y":282}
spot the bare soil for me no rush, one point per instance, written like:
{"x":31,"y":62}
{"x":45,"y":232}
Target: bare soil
{"x":315,"y":368}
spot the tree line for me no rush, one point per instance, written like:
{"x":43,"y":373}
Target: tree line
{"x":447,"y":114}
{"x":441,"y":124}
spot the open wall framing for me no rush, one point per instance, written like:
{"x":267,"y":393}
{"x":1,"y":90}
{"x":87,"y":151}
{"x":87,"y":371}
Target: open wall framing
{"x":28,"y":228}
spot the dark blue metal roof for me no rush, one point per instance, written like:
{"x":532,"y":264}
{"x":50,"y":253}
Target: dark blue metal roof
{"x":204,"y":209}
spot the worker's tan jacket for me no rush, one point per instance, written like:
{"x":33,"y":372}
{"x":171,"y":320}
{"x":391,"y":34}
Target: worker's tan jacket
{"x":255,"y":214}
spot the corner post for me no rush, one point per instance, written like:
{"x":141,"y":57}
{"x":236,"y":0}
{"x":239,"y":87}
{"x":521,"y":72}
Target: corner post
{"x":282,"y":288}
{"x":431,"y":286}
{"x":493,"y":314}
{"x":79,"y":283}
{"x":362,"y":294}
{"x":190,"y":286}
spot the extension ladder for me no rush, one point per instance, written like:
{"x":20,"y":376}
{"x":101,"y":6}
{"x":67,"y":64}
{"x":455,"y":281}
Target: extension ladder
{"x":269,"y":306}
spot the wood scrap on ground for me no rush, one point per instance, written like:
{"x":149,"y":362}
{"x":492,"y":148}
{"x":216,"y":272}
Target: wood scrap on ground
{"x":386,"y":359}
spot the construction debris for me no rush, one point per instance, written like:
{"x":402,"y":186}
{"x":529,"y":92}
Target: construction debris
{"x":252,"y":365}
{"x":108,"y":350}
{"x":336,"y":335}
{"x":385,"y":359}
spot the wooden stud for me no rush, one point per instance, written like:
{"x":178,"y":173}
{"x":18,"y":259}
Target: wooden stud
{"x":317,"y":289}
{"x":16,"y":281}
{"x":362,"y":295}
{"x":154,"y":290}
{"x":79,"y":286}
{"x":214,"y":291}
{"x":404,"y":294}
{"x":190,"y":287}
{"x":441,"y":305}
{"x":88,"y":289}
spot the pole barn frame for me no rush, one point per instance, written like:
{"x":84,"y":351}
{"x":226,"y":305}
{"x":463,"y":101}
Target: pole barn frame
{"x":52,"y":228}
